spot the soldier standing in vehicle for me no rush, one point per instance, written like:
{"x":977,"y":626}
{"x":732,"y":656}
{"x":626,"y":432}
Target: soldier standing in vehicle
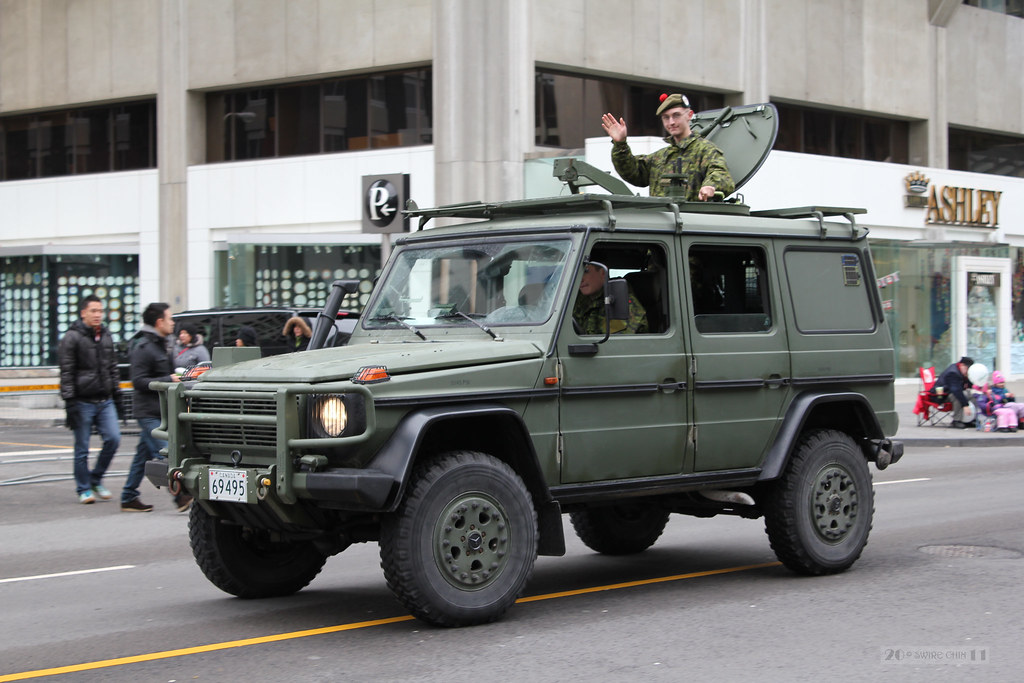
{"x":90,"y":387}
{"x":690,"y":165}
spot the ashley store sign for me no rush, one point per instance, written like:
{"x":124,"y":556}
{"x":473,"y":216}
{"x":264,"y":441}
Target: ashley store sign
{"x":953,"y":205}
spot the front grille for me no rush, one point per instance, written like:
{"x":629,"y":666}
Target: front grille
{"x":206,"y":435}
{"x":211,"y":435}
{"x":262,"y":405}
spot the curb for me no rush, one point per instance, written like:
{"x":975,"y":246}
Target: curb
{"x":962,"y":442}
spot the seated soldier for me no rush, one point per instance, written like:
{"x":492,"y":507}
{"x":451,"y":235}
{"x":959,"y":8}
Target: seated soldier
{"x":588,"y":311}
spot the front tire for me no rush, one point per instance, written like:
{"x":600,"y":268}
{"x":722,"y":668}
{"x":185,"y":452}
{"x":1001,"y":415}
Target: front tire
{"x":461,"y":545}
{"x":819,"y":513}
{"x":246,"y":562}
{"x":624,"y":529}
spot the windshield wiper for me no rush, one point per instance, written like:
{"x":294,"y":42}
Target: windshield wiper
{"x":394,"y":318}
{"x":459,"y":314}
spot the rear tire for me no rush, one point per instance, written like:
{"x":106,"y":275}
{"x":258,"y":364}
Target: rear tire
{"x":246,"y":562}
{"x":818,"y":514}
{"x":624,"y":529}
{"x":461,"y":546}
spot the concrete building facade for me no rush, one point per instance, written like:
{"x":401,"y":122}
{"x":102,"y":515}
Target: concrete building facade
{"x":202,"y":224}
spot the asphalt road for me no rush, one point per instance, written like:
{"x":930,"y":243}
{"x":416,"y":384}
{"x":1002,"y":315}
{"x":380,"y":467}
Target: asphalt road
{"x":89,"y":593}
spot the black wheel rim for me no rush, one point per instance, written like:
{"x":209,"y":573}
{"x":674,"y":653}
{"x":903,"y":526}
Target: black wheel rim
{"x":472,"y":541}
{"x":834,"y":503}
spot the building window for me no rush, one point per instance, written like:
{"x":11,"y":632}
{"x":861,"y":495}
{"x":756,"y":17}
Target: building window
{"x":365,"y":112}
{"x":1015,"y":8}
{"x":76,"y":141}
{"x":986,"y":153}
{"x":829,"y":133}
{"x":296,"y":275}
{"x":569,"y":107}
{"x":39,"y":298}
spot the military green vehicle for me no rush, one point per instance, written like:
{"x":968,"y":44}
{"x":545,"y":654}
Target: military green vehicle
{"x":470,"y":411}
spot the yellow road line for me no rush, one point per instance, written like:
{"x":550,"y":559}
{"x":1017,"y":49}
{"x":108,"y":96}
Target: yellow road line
{"x":645,"y":582}
{"x":45,"y":387}
{"x":213,"y":647}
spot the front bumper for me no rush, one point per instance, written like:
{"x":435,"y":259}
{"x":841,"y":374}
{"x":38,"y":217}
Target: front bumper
{"x":366,"y":490}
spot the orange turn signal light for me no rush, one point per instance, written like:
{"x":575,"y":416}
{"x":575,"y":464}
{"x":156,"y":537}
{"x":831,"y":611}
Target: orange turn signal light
{"x":371,"y":374}
{"x":550,"y":381}
{"x":196,"y":370}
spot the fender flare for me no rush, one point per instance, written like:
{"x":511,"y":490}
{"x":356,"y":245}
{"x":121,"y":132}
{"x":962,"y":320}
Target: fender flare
{"x":398,"y":454}
{"x":796,"y":418}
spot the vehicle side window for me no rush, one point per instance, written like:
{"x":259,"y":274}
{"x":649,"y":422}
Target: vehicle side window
{"x":830,"y":291}
{"x":729,"y":289}
{"x":643,"y":267}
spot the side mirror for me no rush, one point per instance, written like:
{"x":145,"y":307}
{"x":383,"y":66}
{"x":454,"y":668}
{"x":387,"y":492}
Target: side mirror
{"x":616,"y":300}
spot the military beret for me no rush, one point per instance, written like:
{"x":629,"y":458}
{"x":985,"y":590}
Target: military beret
{"x":673,"y":100}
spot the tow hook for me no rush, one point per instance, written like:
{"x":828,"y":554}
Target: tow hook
{"x":887,"y":453}
{"x":174,"y":485}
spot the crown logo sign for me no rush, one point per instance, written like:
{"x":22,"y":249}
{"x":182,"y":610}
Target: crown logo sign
{"x":917,"y":183}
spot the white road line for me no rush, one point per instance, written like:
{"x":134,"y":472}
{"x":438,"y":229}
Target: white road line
{"x":74,"y":573}
{"x":49,"y":451}
{"x":902,"y":481}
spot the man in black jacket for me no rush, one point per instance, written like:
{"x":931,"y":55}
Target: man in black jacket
{"x":150,"y":361}
{"x":955,"y":383}
{"x":90,"y":387}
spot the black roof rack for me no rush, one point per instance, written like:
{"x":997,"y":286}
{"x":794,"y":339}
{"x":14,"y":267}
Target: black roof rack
{"x":818,"y":212}
{"x":572,"y":204}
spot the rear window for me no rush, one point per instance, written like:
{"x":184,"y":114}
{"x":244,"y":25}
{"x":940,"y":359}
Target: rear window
{"x":729,"y":289}
{"x":830,"y":291}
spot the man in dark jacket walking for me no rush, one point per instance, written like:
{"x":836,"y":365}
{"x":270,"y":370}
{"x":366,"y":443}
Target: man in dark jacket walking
{"x":90,"y":387}
{"x":150,"y":361}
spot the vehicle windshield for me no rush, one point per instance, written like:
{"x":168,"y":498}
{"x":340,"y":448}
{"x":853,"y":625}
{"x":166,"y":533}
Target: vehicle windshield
{"x":496,"y":282}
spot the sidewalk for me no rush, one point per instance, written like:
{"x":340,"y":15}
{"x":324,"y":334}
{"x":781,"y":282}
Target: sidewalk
{"x":942,"y":434}
{"x":42,"y":413}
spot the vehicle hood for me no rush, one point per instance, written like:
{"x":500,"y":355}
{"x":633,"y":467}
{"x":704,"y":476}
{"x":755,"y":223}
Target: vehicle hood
{"x":340,"y":363}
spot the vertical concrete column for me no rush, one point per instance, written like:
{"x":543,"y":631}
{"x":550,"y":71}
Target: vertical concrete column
{"x":483,"y":98}
{"x":754,"y":57}
{"x":929,"y":145}
{"x":172,"y":154}
{"x":938,"y":124}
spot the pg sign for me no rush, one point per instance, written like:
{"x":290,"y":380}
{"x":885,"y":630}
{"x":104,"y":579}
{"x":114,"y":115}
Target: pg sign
{"x":383,"y":199}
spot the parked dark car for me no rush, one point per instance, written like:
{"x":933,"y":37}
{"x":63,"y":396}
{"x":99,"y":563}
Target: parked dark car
{"x":219,"y":326}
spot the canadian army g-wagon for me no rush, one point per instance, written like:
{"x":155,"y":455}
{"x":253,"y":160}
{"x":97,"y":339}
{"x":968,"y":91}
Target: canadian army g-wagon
{"x":470,"y":409}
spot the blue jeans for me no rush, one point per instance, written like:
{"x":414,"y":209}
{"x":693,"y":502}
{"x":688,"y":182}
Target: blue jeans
{"x":104,"y":416}
{"x":148,"y":449}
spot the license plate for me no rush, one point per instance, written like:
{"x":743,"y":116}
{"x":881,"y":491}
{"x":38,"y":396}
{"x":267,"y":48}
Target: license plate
{"x":229,"y":485}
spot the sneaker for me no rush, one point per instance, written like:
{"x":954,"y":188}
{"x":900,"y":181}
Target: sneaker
{"x":86,"y":497}
{"x":183,"y":501}
{"x":101,"y":492}
{"x":136,"y":505}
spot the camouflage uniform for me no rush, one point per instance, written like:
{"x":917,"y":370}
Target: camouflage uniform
{"x":701,"y":160}
{"x":588,"y":312}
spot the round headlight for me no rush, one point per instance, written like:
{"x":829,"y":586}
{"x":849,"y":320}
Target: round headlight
{"x":332,"y":415}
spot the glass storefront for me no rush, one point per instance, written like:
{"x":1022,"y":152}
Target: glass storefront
{"x":296,"y":275}
{"x":39,"y":298}
{"x":915,"y":283}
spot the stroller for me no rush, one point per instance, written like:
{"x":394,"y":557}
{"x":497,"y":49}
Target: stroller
{"x":932,"y":406}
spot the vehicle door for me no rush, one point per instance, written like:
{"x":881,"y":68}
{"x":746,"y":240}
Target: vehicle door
{"x":741,"y":365}
{"x":623,"y":404}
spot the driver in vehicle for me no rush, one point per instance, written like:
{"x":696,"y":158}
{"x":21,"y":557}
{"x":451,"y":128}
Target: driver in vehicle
{"x":588,"y":311}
